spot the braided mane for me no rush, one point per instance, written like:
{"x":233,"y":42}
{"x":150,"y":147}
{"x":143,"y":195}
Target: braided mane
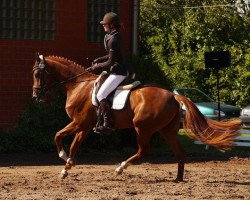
{"x":65,"y":61}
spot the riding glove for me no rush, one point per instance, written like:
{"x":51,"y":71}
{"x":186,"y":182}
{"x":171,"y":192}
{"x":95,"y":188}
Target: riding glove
{"x":94,"y":69}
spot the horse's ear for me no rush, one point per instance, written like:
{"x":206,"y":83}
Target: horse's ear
{"x":37,"y":56}
{"x":41,"y":58}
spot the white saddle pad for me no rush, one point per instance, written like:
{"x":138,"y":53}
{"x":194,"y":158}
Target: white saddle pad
{"x":119,"y":100}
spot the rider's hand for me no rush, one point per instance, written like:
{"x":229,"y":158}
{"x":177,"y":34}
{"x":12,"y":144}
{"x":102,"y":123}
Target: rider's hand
{"x":93,"y":69}
{"x":89,"y":69}
{"x":97,"y":60}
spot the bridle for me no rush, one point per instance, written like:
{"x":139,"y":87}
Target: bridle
{"x":42,"y":88}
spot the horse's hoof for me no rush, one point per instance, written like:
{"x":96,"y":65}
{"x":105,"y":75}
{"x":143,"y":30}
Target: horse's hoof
{"x":118,"y":171}
{"x":71,"y":163}
{"x":63,"y":176}
{"x":178,"y":180}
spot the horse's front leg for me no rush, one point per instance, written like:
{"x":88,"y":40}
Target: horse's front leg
{"x":70,"y":162}
{"x":71,"y":128}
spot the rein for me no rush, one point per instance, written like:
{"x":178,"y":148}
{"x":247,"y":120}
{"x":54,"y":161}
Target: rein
{"x":43,"y":88}
{"x":76,"y":76}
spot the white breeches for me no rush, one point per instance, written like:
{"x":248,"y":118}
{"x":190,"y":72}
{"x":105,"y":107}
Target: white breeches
{"x":109,"y":85}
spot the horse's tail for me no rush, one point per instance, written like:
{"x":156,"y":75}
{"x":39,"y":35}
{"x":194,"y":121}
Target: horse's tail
{"x":219,"y":134}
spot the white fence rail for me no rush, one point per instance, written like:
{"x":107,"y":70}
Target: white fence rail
{"x":243,"y":140}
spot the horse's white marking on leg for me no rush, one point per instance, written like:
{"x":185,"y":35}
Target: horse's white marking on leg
{"x":64,"y":173}
{"x":124,"y":165}
{"x":68,"y":160}
{"x":63,"y":155}
{"x":120,"y":169}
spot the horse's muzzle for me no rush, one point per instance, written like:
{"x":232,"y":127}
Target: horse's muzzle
{"x":37,"y":99}
{"x":34,"y":98}
{"x":35,"y":94}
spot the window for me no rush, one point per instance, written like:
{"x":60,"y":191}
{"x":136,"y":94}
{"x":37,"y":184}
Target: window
{"x":27,"y":19}
{"x":96,"y":10}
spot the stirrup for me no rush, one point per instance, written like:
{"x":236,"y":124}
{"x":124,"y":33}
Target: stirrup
{"x":96,"y":131}
{"x":103,"y":129}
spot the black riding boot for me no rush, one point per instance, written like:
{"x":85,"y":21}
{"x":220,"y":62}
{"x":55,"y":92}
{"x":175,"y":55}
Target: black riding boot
{"x":106,"y":112}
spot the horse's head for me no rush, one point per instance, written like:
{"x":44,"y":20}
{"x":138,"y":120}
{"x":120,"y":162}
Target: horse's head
{"x":40,"y":80}
{"x":53,"y":71}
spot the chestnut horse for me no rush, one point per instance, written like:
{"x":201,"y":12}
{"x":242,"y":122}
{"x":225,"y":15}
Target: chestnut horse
{"x":150,"y":109}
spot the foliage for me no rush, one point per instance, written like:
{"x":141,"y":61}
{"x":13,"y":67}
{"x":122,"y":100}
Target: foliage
{"x":176,"y":34}
{"x":36,"y":128}
{"x":148,"y":71}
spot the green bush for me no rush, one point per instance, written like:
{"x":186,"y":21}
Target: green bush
{"x":36,"y":127}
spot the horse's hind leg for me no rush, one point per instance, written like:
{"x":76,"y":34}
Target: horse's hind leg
{"x":143,"y":141}
{"x":169,"y":133}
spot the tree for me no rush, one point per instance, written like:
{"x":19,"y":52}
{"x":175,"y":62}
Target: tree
{"x":176,"y":34}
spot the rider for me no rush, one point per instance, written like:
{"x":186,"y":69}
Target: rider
{"x":112,"y":63}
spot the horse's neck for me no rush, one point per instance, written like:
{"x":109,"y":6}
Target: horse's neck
{"x":77,"y":82}
{"x":71,"y":75}
{"x":63,"y":72}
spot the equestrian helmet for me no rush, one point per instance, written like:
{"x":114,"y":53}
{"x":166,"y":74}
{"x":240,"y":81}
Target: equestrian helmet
{"x":111,"y":18}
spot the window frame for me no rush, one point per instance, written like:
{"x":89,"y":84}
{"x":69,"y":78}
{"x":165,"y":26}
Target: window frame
{"x":96,"y":10}
{"x":27,"y":19}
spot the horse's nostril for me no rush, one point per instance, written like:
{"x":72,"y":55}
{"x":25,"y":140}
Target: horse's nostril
{"x":34,"y":98}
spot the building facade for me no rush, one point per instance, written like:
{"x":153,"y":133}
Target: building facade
{"x":52,"y":27}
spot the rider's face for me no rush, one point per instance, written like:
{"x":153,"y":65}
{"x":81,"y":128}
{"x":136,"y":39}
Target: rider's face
{"x":106,"y":28}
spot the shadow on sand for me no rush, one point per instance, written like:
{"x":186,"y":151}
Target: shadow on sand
{"x":46,"y":159}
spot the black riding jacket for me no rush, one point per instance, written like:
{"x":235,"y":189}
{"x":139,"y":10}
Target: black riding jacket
{"x":113,"y":61}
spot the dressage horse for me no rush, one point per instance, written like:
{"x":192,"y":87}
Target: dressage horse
{"x":150,"y":109}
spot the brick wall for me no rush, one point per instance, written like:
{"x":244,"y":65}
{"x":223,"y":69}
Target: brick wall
{"x":17,"y":56}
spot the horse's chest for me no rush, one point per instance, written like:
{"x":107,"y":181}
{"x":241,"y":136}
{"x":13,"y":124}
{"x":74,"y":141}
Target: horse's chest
{"x":74,"y":105}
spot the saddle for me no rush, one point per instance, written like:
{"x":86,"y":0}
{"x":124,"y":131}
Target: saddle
{"x":119,"y":97}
